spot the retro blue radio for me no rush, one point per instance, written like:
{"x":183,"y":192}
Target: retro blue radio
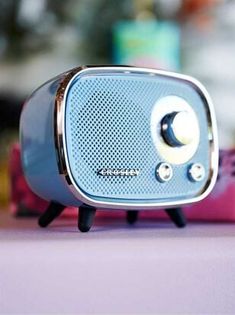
{"x":119,"y":138}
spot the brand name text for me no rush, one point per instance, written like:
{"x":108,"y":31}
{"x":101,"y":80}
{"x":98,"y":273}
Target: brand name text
{"x":118,"y":172}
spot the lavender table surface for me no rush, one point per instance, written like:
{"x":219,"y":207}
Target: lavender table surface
{"x":151,"y":267}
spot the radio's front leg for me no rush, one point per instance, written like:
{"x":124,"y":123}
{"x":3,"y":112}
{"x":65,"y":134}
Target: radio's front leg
{"x":177,"y":216}
{"x":52,"y":212}
{"x":86,"y":216}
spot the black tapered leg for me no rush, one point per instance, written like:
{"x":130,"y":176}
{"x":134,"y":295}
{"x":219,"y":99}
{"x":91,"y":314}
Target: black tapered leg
{"x":132,"y":216}
{"x":52,"y":212}
{"x":177,"y":216}
{"x":86,"y":216}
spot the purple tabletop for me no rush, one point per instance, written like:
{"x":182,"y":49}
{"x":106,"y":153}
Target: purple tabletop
{"x":151,"y":267}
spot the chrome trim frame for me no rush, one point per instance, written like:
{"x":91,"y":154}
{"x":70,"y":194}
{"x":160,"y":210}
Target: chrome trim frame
{"x":60,"y":143}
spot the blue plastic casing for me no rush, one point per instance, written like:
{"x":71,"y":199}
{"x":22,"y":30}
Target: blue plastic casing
{"x":38,"y":152}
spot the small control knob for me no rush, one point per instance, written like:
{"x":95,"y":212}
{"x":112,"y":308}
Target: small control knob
{"x":179,"y":128}
{"x":196,"y":172}
{"x":164,"y":172}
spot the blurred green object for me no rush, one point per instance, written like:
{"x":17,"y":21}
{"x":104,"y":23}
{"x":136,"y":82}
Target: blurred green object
{"x":147,"y":43}
{"x":95,"y":20}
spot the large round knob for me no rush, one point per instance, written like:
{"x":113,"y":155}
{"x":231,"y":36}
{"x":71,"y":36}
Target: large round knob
{"x":179,"y":128}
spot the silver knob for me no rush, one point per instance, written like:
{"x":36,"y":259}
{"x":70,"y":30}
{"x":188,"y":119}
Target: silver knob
{"x":196,"y":172}
{"x":179,"y":128}
{"x":164,"y":172}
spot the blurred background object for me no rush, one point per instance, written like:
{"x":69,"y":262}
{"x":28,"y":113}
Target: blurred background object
{"x":41,"y":38}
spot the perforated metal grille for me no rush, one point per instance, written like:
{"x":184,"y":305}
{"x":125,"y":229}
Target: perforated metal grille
{"x":108,"y":126}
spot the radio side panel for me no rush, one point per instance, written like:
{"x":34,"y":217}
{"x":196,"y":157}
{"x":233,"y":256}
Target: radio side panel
{"x":39,"y":159}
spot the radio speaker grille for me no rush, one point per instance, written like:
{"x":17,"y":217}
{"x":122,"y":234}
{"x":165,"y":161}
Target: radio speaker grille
{"x":107,"y":125}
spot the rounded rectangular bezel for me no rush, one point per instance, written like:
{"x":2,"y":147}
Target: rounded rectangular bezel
{"x":60,"y":141}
